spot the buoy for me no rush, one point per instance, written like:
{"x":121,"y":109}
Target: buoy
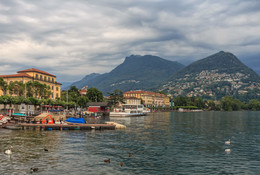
{"x":121,"y":163}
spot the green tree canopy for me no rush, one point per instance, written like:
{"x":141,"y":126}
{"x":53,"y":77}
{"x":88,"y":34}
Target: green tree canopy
{"x":116,"y":97}
{"x":95,"y":95}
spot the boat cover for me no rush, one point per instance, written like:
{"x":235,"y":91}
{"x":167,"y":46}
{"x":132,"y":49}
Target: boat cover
{"x":75,"y":120}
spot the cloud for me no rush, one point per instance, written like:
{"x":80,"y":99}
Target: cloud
{"x":73,"y":38}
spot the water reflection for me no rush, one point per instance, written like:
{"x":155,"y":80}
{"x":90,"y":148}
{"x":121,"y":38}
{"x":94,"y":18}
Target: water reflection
{"x":161,"y":143}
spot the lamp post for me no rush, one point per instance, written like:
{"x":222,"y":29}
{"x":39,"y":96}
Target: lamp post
{"x":5,"y":101}
{"x":25,"y":90}
{"x":67,"y":98}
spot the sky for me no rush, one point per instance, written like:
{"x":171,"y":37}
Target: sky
{"x":73,"y":38}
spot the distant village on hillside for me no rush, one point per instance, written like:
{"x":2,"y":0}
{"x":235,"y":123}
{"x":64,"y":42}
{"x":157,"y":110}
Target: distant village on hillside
{"x":205,"y":84}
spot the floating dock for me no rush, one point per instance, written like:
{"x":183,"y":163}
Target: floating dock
{"x":106,"y":126}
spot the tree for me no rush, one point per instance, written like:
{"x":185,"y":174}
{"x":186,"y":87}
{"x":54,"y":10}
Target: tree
{"x":254,"y":105}
{"x":34,"y":101}
{"x":236,"y":105}
{"x":211,"y":105}
{"x":116,"y":97}
{"x":226,"y":103}
{"x":3,"y":86}
{"x":180,"y":101}
{"x":95,"y":95}
{"x":5,"y":99}
{"x":82,"y":101}
{"x":199,"y":102}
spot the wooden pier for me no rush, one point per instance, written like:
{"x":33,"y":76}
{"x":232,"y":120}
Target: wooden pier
{"x":61,"y":127}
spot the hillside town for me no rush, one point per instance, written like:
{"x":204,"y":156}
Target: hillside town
{"x":210,"y":83}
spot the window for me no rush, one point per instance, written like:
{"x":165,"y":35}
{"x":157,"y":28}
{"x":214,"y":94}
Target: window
{"x":36,"y":76}
{"x":52,"y":95}
{"x":57,"y":88}
{"x":53,"y":80}
{"x":49,"y":79}
{"x":52,"y":87}
{"x":57,"y":95}
{"x":45,"y":78}
{"x":40,"y":77}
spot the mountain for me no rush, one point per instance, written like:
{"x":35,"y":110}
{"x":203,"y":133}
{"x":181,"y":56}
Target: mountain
{"x":136,"y":72}
{"x":65,"y":85}
{"x":214,"y":77}
{"x":83,"y":81}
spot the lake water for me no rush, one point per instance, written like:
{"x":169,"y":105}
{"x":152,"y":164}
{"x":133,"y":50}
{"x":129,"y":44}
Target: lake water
{"x":161,"y":143}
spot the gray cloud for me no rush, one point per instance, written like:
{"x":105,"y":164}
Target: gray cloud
{"x":73,"y":38}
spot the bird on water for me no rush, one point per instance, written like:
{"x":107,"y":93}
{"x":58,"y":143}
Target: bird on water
{"x":130,"y":154}
{"x":45,"y":149}
{"x":107,"y":160}
{"x":34,"y":169}
{"x":227,"y":142}
{"x":9,"y":151}
{"x":228,"y":151}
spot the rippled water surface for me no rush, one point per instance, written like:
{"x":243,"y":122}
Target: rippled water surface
{"x":161,"y":143}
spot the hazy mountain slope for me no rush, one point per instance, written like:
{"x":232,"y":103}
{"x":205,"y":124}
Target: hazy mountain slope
{"x":136,"y":72}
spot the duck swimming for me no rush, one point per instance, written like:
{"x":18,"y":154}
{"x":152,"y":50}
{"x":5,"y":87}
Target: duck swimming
{"x":227,"y":142}
{"x":107,"y":160}
{"x":9,"y":151}
{"x":34,"y":169}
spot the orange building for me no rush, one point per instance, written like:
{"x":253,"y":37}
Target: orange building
{"x":149,"y":98}
{"x":32,"y":74}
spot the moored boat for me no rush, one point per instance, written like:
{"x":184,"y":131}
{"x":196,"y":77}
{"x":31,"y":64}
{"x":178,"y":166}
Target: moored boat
{"x":12,"y":127}
{"x":128,"y":110}
{"x":4,"y":119}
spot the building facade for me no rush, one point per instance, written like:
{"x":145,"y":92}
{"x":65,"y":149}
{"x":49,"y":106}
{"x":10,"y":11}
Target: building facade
{"x":32,"y":74}
{"x":132,"y":100}
{"x":150,"y":99}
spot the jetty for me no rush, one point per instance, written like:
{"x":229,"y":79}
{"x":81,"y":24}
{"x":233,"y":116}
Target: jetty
{"x":49,"y":127}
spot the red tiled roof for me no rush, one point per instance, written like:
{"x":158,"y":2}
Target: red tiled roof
{"x":35,"y":70}
{"x":82,"y":90}
{"x":58,"y":83}
{"x":16,"y":75}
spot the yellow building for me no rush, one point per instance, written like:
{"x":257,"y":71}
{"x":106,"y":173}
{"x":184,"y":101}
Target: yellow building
{"x":149,"y":98}
{"x":32,"y":74}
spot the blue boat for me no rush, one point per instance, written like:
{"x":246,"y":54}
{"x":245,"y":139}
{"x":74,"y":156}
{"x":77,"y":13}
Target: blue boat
{"x":20,"y":114}
{"x":75,"y":120}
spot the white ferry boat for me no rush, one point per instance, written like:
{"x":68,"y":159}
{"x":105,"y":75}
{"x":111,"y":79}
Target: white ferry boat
{"x":128,"y":110}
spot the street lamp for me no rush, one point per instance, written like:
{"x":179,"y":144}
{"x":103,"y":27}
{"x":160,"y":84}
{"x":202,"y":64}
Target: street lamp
{"x":25,"y":91}
{"x":67,"y":95}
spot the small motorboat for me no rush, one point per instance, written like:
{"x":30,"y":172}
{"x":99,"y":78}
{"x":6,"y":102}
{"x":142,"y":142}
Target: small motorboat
{"x":12,"y":126}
